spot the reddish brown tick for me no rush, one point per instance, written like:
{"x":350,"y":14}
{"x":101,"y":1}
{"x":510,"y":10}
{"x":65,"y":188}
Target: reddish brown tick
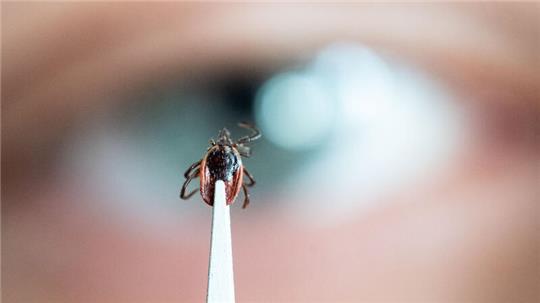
{"x":222,"y":161}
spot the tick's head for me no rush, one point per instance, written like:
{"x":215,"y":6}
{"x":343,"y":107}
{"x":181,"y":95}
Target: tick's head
{"x":224,"y":137}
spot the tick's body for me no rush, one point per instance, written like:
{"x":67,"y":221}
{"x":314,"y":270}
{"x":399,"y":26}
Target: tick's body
{"x":223,"y":162}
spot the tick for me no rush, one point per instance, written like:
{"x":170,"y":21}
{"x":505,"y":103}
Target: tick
{"x":223,"y":161}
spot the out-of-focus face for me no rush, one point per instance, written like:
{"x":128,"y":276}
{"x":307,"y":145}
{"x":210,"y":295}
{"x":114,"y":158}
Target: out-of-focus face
{"x":398,"y":160}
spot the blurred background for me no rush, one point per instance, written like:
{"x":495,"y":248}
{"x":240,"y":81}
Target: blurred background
{"x":399,"y":159}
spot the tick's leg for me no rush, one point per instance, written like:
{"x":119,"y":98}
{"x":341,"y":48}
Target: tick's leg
{"x":250,"y":177}
{"x":184,"y":187}
{"x":246,"y":196}
{"x":255,"y":133}
{"x":244,"y":151}
{"x":192,"y":167}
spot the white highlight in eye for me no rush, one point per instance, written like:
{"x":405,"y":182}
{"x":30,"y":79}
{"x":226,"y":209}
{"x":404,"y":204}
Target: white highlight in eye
{"x":393,"y":128}
{"x":294,"y":111}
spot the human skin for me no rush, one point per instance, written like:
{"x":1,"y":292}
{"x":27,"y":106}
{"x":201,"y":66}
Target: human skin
{"x":478,"y":222}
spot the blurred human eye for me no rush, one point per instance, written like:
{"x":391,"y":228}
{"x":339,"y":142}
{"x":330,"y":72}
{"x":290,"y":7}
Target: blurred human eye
{"x":398,"y":141}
